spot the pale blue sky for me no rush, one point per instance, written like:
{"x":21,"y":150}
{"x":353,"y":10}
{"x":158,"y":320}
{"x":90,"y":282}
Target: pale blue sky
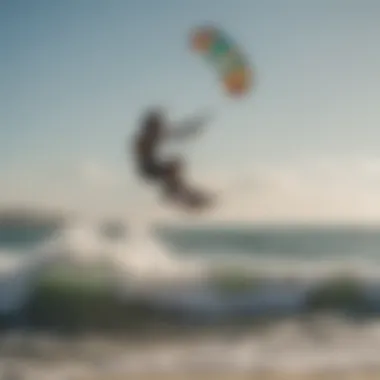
{"x":76,"y":74}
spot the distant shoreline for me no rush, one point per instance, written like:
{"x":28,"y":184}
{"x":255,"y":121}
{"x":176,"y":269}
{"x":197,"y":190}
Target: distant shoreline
{"x":31,"y":217}
{"x":36,"y":215}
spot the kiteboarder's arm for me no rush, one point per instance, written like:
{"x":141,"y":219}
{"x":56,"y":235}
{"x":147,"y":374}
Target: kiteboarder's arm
{"x":187,"y":128}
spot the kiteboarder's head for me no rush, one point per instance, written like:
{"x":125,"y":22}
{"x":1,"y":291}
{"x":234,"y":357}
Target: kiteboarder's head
{"x":154,"y":122}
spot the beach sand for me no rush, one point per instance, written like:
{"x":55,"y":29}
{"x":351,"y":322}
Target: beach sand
{"x":359,"y":375}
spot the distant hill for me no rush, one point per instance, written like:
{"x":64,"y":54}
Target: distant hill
{"x":23,"y":216}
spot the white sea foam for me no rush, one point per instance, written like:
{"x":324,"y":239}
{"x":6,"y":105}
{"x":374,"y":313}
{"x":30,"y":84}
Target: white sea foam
{"x":288,"y":347}
{"x":137,"y":259}
{"x":140,"y":259}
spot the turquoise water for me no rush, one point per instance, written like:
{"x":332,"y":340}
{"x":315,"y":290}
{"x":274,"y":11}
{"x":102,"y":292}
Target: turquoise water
{"x":286,"y":242}
{"x":24,"y":238}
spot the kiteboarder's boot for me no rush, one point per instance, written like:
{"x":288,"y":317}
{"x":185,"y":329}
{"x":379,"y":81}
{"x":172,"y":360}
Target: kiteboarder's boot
{"x":196,"y":200}
{"x":189,"y":199}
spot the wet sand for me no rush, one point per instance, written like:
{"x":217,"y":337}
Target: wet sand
{"x":325,"y":349}
{"x":359,"y":375}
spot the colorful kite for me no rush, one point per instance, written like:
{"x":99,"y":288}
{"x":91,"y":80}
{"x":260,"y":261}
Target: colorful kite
{"x":225,"y":56}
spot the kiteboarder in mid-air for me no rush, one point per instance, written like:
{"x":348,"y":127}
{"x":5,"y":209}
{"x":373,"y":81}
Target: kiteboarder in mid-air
{"x":168,"y":174}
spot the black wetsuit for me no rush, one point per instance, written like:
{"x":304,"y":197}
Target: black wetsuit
{"x":152,"y":169}
{"x":148,"y":165}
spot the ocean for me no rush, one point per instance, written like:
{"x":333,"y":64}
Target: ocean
{"x":297,"y":252}
{"x":171,"y":264}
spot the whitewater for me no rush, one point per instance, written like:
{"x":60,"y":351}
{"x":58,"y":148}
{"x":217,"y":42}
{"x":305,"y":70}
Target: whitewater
{"x":138,"y":261}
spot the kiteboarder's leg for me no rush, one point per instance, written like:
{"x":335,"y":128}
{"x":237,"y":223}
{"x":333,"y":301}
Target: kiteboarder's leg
{"x":176,"y":189}
{"x":157,"y":170}
{"x":172,"y":177}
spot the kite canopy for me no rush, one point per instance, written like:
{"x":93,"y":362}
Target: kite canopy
{"x":225,"y":56}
